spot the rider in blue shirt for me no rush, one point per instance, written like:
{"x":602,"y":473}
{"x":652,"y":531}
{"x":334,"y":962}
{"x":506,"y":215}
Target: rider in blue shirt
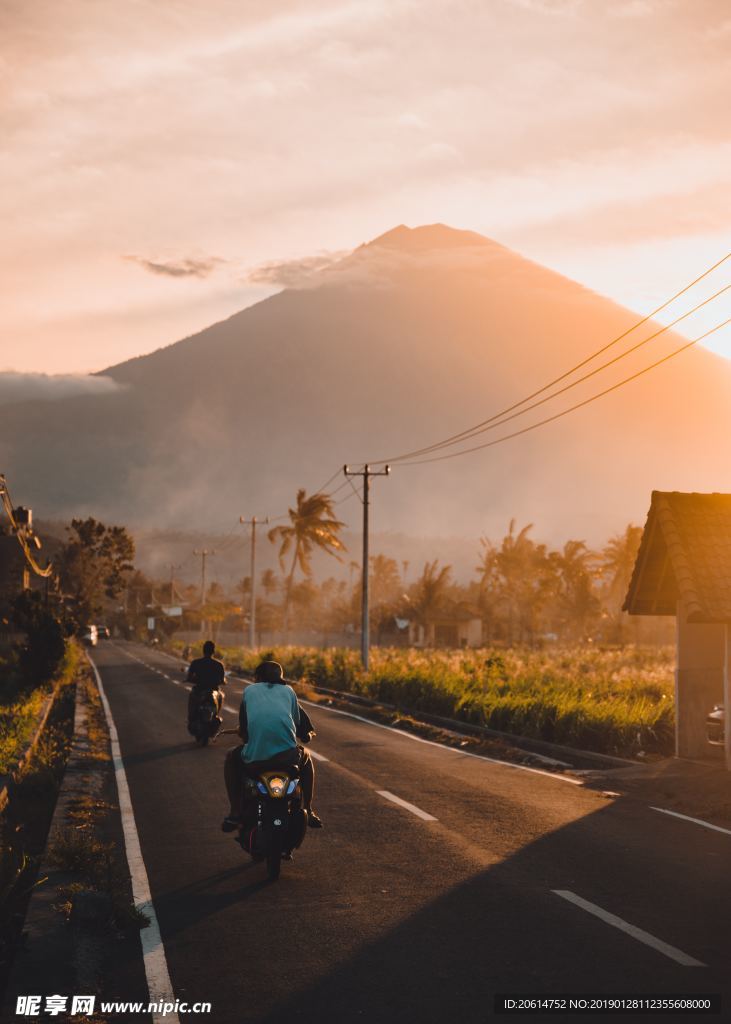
{"x":271,"y":722}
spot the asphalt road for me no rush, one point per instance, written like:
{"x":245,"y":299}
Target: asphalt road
{"x":389,"y":916}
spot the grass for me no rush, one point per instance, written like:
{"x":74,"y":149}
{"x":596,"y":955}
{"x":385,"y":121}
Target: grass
{"x":610,"y":700}
{"x":20,"y":707}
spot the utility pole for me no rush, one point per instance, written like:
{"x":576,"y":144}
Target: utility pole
{"x":172,"y":583}
{"x":204,"y":553}
{"x":252,"y":571}
{"x":366,"y":473}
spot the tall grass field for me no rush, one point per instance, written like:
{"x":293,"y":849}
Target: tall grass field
{"x":613,"y":701}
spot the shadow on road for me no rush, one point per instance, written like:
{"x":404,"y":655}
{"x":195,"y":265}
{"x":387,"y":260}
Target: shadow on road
{"x":504,"y":930}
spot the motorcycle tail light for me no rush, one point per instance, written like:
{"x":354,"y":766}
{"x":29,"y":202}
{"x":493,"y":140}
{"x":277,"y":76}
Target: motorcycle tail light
{"x":277,"y":786}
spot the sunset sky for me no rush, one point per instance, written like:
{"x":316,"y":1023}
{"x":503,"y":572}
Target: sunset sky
{"x":168,"y":162}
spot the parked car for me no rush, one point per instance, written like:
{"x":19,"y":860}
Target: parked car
{"x":715,"y":725}
{"x":89,"y":636}
{"x":103,"y":633}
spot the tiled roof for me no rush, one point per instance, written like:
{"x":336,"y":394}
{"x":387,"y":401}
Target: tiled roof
{"x":685,"y":554}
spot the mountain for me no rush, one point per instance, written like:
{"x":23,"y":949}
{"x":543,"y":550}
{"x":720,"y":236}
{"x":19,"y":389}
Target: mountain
{"x":413,"y":337}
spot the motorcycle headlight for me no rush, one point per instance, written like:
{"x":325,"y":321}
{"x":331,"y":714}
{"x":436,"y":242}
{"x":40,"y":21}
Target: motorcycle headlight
{"x":292,"y":786}
{"x":261,"y":787}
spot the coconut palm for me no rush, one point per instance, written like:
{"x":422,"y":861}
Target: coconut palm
{"x":312,"y":525}
{"x":429,"y":591}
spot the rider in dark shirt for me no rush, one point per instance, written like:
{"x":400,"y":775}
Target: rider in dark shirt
{"x":207,"y":675}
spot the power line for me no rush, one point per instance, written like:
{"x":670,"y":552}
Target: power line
{"x":20,"y":530}
{"x":470,"y":431}
{"x":494,"y":422}
{"x":579,"y":405}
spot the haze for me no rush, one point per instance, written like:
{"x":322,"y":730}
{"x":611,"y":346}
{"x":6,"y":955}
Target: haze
{"x":167,"y":164}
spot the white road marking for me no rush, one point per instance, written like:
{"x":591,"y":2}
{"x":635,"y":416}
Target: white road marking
{"x":231,"y":711}
{"x":405,"y":803}
{"x":696,"y":821}
{"x":409,"y":736}
{"x":153,"y":952}
{"x":637,"y":933}
{"x":442,"y":746}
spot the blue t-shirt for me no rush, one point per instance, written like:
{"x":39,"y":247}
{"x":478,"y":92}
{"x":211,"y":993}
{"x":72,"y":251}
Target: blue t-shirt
{"x":272,"y":716}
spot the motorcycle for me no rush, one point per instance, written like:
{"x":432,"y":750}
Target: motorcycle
{"x":274,"y":820}
{"x":207,"y":722}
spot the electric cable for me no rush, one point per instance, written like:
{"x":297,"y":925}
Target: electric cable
{"x":464,"y":434}
{"x":579,"y":405}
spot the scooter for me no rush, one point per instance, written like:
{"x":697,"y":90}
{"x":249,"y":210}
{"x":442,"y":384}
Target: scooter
{"x":207,"y":722}
{"x":274,"y":820}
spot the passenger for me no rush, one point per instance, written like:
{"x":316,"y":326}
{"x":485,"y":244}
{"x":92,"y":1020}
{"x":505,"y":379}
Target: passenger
{"x":270,"y":723}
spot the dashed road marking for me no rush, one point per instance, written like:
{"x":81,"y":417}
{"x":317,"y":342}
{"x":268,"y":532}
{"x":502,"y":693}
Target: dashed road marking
{"x":405,"y":803}
{"x":637,"y":933}
{"x":696,"y":821}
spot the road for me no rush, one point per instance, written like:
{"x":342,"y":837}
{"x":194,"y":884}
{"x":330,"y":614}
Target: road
{"x":495,"y":880}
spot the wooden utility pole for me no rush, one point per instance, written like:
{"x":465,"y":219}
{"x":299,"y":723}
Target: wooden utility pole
{"x":172,"y":583}
{"x":204,"y":553}
{"x":366,"y":473}
{"x":252,"y":570}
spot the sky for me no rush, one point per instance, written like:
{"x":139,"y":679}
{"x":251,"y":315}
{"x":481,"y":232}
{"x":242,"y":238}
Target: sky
{"x":166,"y":163}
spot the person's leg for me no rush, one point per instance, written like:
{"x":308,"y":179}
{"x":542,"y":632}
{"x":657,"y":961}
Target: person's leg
{"x":192,"y":705}
{"x":233,"y":777}
{"x":307,"y":782}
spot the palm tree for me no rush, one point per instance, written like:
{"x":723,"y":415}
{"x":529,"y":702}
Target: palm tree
{"x":312,"y":525}
{"x":269,"y":582}
{"x":429,"y":591}
{"x":574,"y":569}
{"x":617,"y":562}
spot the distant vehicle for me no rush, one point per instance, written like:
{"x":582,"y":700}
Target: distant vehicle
{"x":715,"y":725}
{"x":103,"y":633}
{"x":89,"y":635}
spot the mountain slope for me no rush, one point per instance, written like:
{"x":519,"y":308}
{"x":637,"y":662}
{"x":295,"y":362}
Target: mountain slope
{"x":413,"y":337}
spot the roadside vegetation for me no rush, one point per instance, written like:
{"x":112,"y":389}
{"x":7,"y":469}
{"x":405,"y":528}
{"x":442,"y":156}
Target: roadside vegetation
{"x":610,"y":700}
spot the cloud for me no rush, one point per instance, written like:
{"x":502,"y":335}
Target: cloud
{"x":189,"y":267}
{"x":292,"y":273}
{"x":44,"y":387}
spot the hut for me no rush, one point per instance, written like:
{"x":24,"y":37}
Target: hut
{"x":683,"y":568}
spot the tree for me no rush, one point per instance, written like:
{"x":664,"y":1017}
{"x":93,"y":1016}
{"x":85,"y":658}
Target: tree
{"x":429,"y":591}
{"x":94,"y":564}
{"x":312,"y":526}
{"x":44,"y":648}
{"x":269,"y":582}
{"x":617,"y":560}
{"x":515,"y":582}
{"x":577,"y":601}
{"x":385,"y":591}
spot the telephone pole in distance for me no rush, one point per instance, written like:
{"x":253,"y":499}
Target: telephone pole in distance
{"x":204,"y":553}
{"x":252,"y":569}
{"x":366,"y":473}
